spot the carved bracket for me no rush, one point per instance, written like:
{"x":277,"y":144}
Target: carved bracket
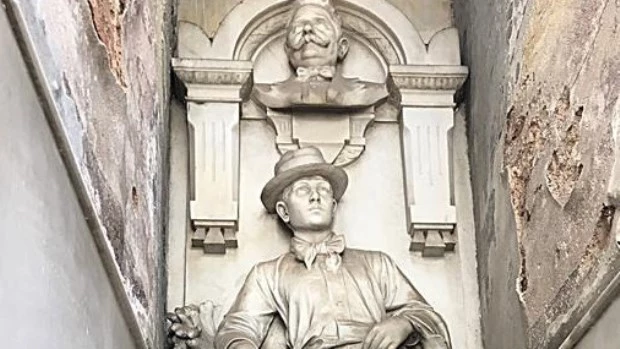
{"x":338,"y":134}
{"x":215,"y":90}
{"x":427,"y":94}
{"x":433,"y":242}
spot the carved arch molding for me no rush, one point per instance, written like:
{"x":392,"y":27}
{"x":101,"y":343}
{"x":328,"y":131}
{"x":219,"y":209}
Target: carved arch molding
{"x":422,"y":79}
{"x":251,"y":24}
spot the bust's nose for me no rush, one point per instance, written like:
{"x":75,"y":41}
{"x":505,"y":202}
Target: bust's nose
{"x":314,"y":196}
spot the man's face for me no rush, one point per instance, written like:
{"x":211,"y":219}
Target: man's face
{"x":313,"y":38}
{"x":308,"y":204}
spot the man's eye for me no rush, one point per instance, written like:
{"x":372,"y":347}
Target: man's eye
{"x":302,"y":190}
{"x":324,"y":190}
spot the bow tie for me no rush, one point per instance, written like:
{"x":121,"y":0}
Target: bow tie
{"x":306,"y":251}
{"x":307,"y":73}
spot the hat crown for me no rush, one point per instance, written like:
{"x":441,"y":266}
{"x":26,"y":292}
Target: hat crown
{"x":299,"y":157}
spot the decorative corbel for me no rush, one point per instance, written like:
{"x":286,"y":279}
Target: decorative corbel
{"x":427,"y":99}
{"x":215,"y":90}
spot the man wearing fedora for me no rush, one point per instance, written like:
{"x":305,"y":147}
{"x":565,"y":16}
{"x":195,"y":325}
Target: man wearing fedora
{"x":325,"y":295}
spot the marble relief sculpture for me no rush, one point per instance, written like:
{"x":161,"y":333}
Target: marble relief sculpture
{"x":321,"y":294}
{"x":315,"y":47}
{"x":317,"y":105}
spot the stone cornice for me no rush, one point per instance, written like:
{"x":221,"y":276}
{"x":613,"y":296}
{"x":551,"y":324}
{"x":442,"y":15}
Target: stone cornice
{"x":426,"y":77}
{"x":212,"y":72}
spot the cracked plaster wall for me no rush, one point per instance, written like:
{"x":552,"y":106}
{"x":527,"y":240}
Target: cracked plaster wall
{"x":106,"y":64}
{"x":542,"y":97}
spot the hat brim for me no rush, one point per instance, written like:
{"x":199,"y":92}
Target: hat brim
{"x":272,"y":191}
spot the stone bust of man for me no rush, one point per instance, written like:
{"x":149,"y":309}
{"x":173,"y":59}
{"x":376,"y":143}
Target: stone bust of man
{"x":315,"y":47}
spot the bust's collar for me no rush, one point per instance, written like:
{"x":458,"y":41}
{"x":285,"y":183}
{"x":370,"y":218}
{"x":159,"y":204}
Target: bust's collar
{"x":320,"y":73}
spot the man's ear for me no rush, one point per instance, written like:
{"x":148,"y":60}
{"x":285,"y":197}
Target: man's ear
{"x":343,"y":48}
{"x":335,"y":206}
{"x":282,"y":211}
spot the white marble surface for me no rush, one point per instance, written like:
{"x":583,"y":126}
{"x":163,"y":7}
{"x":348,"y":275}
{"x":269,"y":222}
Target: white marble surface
{"x":372,"y":215}
{"x":271,"y":64}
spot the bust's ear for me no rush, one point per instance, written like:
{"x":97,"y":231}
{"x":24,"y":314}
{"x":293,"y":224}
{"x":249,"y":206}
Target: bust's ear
{"x":343,"y":48}
{"x":335,"y":207}
{"x":282,"y":211}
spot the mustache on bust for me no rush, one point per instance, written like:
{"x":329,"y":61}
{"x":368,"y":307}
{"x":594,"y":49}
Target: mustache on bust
{"x":298,"y":38}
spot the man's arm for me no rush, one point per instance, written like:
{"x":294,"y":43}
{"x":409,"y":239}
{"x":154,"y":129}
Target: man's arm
{"x":248,"y":320}
{"x":404,"y":301}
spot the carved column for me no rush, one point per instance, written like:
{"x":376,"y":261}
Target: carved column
{"x":215,"y":90}
{"x":427,"y":94}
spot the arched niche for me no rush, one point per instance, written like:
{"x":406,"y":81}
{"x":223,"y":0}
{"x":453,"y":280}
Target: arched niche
{"x":407,"y":162}
{"x":247,"y":26}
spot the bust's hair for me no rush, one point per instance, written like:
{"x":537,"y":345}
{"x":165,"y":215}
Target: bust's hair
{"x":326,"y":5}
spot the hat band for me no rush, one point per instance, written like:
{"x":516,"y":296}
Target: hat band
{"x":300,"y":160}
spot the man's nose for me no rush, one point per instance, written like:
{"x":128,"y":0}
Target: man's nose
{"x":314,"y":196}
{"x":308,"y":28}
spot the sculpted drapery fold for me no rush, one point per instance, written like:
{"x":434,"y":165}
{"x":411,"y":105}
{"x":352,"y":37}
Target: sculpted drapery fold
{"x":324,"y":309}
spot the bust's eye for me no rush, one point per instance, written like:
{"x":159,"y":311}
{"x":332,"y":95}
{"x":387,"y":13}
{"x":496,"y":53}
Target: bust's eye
{"x":302,"y":190}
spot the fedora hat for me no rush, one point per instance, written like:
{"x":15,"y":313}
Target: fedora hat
{"x":299,"y":163}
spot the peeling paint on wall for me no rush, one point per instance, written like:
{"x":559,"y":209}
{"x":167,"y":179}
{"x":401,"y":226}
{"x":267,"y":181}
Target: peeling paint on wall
{"x":107,"y":18}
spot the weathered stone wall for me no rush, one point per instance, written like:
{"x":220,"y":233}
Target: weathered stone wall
{"x":543,"y":91}
{"x":53,"y":293}
{"x":104,"y":73}
{"x":484,"y":34}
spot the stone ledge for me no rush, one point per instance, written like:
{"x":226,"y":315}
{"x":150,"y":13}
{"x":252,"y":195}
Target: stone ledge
{"x":426,"y":77}
{"x":212,"y":72}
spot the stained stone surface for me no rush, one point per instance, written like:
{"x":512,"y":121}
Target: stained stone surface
{"x":542,"y":98}
{"x":54,"y":291}
{"x":105,"y":64}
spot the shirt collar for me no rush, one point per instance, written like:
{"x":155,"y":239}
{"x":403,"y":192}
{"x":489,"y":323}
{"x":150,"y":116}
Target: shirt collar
{"x":306,"y":251}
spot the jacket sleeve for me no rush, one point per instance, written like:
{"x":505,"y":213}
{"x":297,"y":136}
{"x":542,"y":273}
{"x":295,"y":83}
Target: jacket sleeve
{"x":402,"y":299}
{"x":251,"y":314}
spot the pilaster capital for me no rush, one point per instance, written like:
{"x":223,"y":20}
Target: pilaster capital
{"x":426,"y":85}
{"x":210,"y":80}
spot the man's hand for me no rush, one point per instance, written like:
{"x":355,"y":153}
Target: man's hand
{"x":388,"y":334}
{"x":192,"y":327}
